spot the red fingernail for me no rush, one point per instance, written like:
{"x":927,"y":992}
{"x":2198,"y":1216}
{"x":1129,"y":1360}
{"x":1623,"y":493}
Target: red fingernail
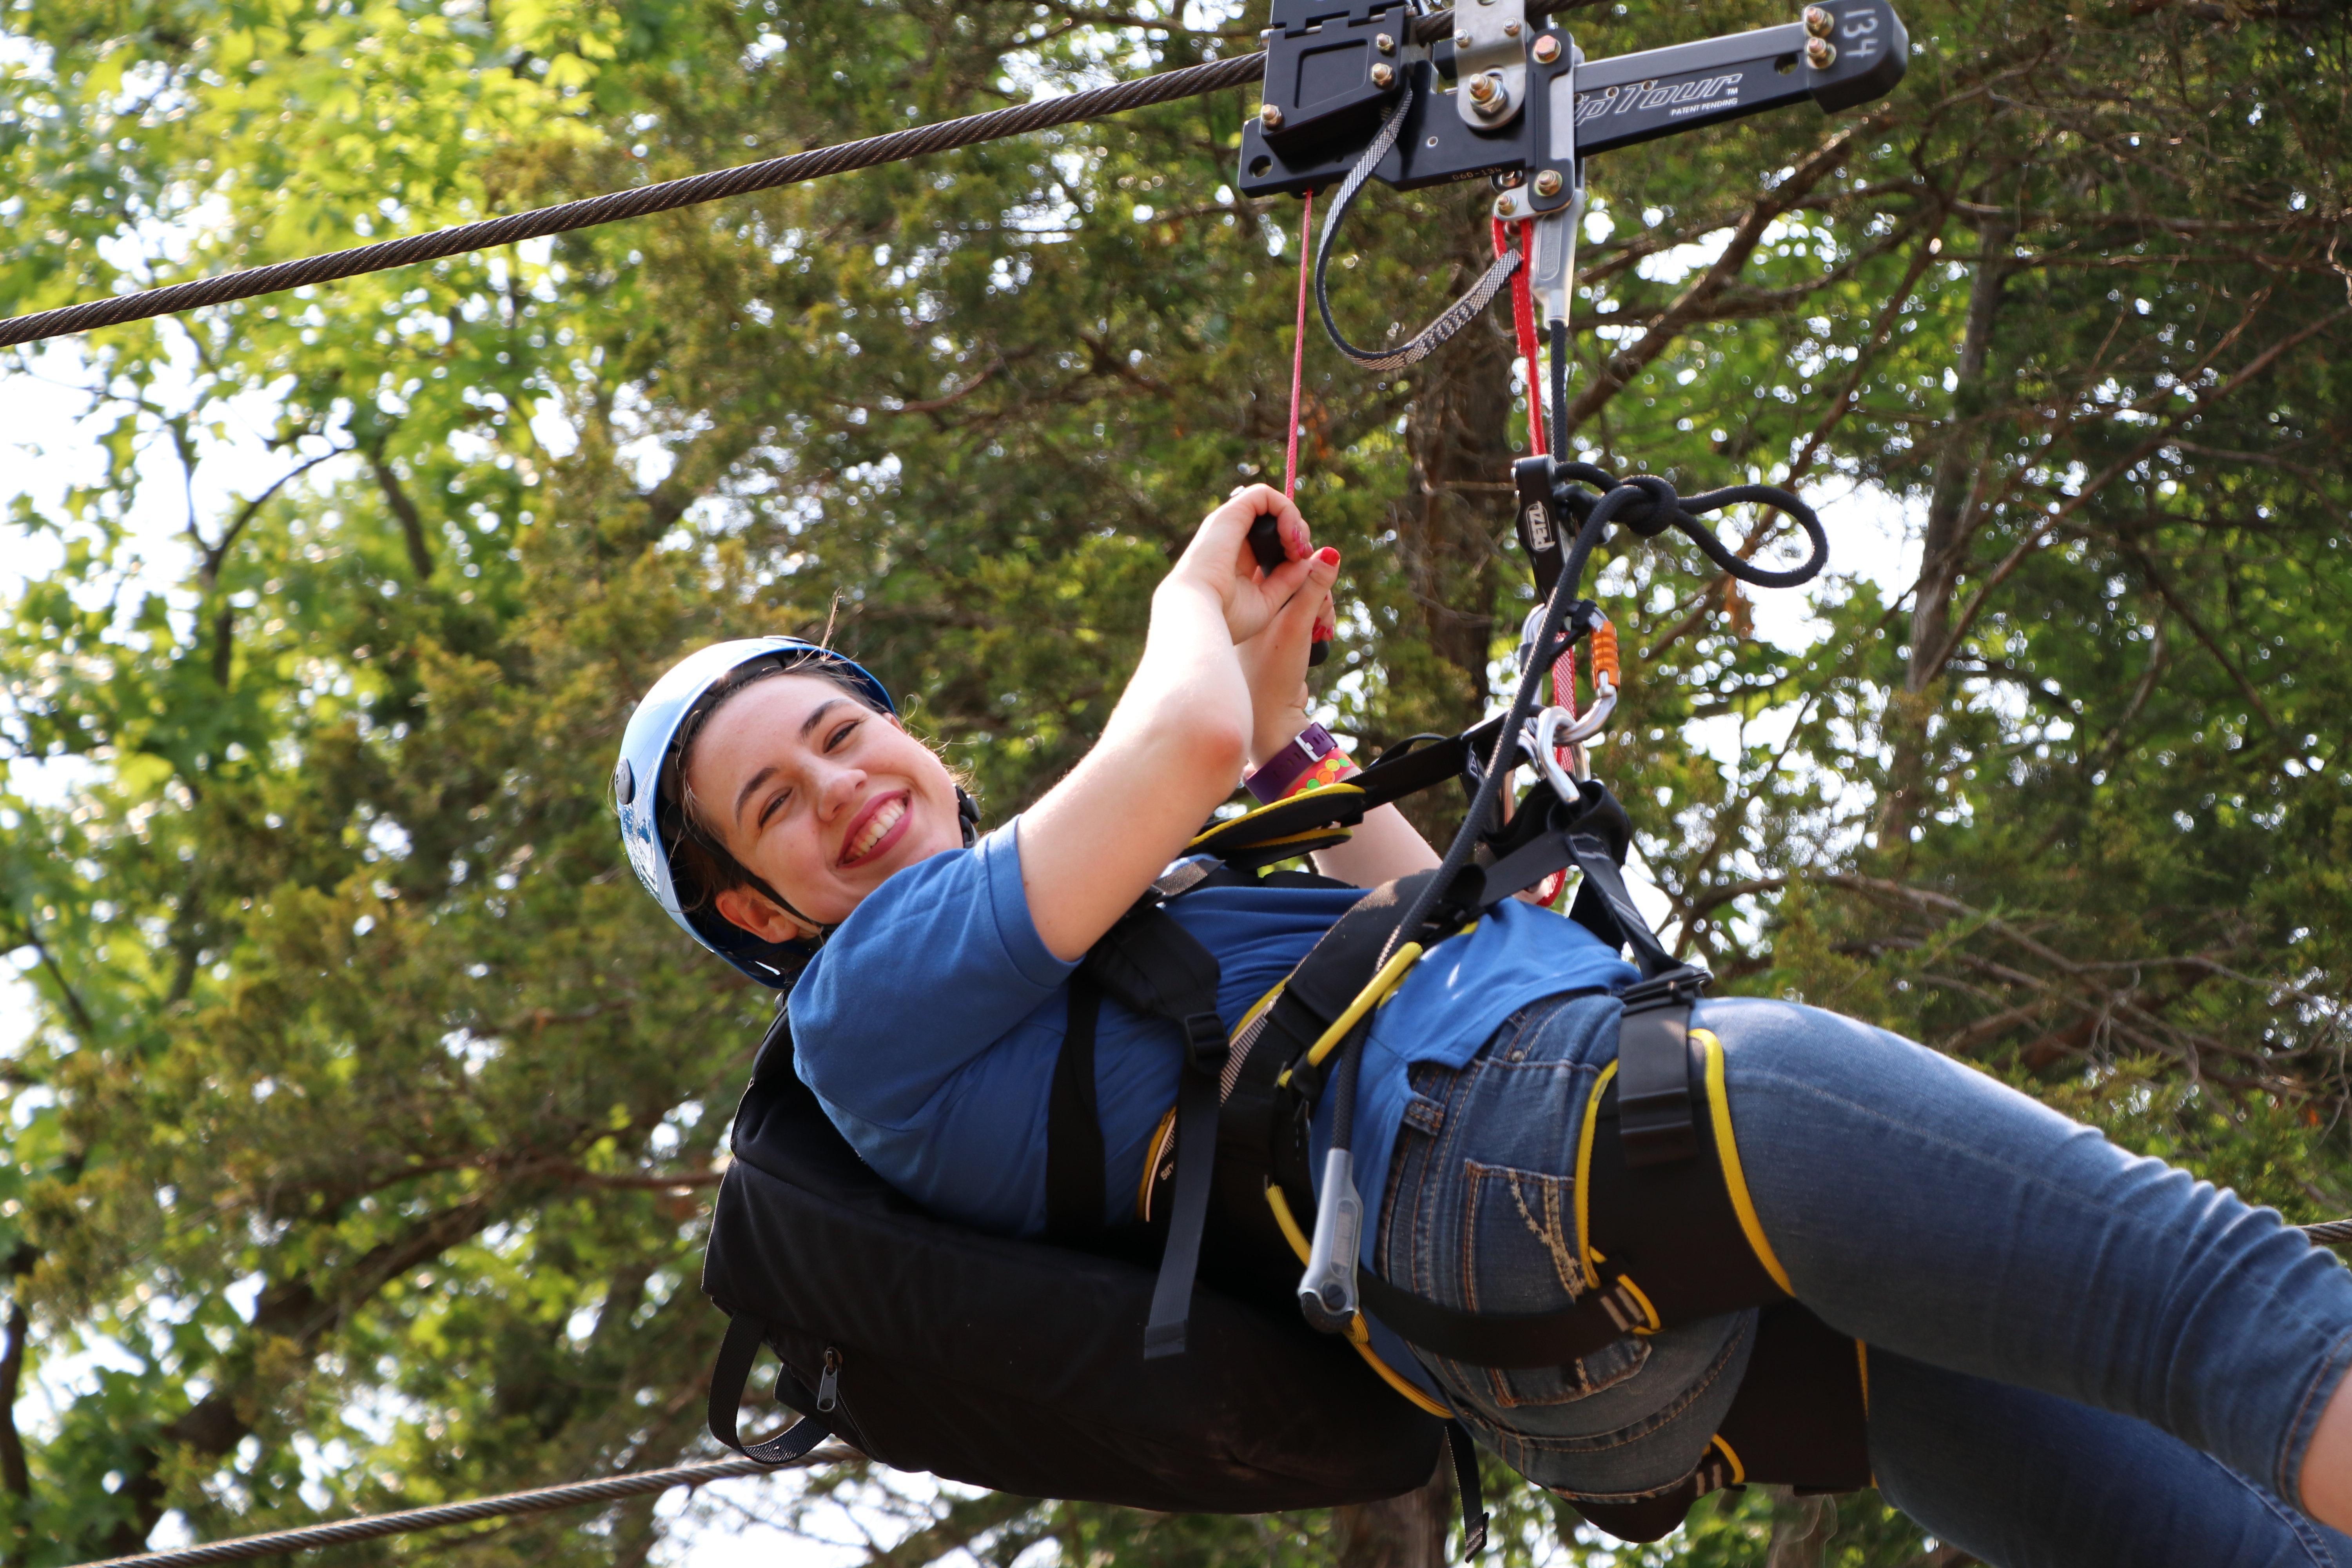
{"x":1328,"y":556}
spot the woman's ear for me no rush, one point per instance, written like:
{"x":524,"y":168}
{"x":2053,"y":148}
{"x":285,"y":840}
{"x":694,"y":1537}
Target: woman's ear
{"x":750,"y":912}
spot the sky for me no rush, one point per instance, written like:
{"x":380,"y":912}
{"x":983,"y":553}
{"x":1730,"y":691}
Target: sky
{"x":49,"y":434}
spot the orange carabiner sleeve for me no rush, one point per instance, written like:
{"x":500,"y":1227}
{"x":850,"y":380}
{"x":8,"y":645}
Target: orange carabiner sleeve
{"x":1604,"y":652}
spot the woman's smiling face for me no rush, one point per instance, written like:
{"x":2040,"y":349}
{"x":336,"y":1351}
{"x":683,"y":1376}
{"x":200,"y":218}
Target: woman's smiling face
{"x":818,"y":795}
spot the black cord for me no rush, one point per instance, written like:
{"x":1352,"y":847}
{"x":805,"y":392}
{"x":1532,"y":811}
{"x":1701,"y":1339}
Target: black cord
{"x":1658,"y":508}
{"x":1646,"y":505}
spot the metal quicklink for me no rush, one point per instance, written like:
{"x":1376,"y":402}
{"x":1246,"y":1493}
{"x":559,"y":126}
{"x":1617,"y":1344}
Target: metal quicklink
{"x":1456,"y":316}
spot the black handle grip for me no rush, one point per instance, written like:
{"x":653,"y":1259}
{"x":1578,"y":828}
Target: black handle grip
{"x":1265,"y":543}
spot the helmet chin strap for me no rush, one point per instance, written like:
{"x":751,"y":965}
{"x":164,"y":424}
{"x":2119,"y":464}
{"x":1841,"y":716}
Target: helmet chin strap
{"x":967,"y":815}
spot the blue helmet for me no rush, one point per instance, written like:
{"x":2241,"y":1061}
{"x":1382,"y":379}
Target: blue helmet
{"x":645,"y":789}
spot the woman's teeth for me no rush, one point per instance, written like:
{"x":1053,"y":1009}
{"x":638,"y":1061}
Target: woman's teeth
{"x":880,"y":823}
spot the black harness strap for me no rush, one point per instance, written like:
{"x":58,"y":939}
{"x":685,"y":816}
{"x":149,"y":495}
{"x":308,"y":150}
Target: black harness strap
{"x":1074,"y":1140}
{"x":730,"y":1374}
{"x":1466,"y":1487}
{"x":1153,"y":966}
{"x":1657,"y":1118}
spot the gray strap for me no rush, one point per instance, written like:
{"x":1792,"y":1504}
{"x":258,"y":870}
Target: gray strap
{"x":1458,"y":315}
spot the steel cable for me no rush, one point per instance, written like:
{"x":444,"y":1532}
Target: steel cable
{"x":915,"y":143}
{"x":1165,"y":87}
{"x":611,"y":1488}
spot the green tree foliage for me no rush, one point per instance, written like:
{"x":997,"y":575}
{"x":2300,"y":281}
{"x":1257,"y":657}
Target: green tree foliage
{"x":371,"y":1111}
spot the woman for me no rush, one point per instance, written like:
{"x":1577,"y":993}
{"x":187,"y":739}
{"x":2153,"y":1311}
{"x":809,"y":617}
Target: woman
{"x":2076,"y":1355}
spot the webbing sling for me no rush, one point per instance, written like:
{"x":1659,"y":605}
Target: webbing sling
{"x":728,"y":1377}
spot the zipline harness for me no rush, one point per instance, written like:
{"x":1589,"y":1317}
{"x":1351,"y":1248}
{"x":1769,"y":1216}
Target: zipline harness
{"x":1353,"y":90}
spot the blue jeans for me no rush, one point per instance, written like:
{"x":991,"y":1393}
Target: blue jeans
{"x":2078,"y":1355}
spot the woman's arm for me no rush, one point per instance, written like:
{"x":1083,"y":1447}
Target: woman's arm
{"x":1176,"y":742}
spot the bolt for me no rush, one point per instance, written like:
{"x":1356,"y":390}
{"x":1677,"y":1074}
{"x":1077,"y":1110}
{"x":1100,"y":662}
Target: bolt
{"x":1269,"y":116}
{"x":1510,"y":180}
{"x":1496,"y":102}
{"x":1819,"y":22}
{"x":1819,"y":53}
{"x":1547,"y":183}
{"x":1462,"y":40}
{"x":1385,"y":44}
{"x":1383,"y":74}
{"x":1482,"y":87}
{"x":1511,"y":29}
{"x":1503,"y":207}
{"x":1547,"y":49}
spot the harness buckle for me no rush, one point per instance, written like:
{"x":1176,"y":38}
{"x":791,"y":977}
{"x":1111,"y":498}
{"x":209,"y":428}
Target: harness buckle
{"x":1680,"y":986}
{"x":1206,"y":1049}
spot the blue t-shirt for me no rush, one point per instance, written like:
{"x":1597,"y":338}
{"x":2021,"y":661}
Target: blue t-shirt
{"x":929,"y":1023}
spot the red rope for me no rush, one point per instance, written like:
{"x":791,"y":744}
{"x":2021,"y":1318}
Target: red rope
{"x":1523,"y":322}
{"x":1298,"y":341}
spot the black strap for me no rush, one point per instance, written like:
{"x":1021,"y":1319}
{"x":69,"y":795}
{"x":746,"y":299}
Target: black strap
{"x":1603,"y":905}
{"x":729,"y":1375}
{"x":1656,"y":1116}
{"x":1073,"y":1140}
{"x":1466,"y":1488}
{"x":1503,"y":1339}
{"x":1154,"y":966}
{"x":1188,"y":1214}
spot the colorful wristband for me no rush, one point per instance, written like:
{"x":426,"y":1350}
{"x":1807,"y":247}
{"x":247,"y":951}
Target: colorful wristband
{"x":1282,"y":769}
{"x":1329,"y":770}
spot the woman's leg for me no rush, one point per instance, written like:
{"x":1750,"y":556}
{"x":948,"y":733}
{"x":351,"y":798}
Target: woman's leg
{"x":2021,"y":1479}
{"x":1923,"y":1207}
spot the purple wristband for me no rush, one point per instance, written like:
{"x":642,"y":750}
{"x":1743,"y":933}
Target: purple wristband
{"x":1270,"y":783}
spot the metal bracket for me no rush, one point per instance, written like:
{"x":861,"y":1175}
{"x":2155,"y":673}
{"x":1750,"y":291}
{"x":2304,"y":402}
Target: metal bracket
{"x":1490,"y":62}
{"x":1325,"y":83}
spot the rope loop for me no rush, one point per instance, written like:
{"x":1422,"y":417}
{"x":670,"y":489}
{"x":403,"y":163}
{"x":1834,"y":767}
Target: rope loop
{"x":1647,"y":506}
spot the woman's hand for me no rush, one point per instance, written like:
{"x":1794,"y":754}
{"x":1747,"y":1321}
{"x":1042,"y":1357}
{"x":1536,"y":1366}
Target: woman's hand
{"x":1177,"y":741}
{"x":1274,"y":662}
{"x":1220,"y":565}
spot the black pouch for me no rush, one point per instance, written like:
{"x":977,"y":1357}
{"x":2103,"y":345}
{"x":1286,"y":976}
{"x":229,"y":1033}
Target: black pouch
{"x":1017,"y":1365}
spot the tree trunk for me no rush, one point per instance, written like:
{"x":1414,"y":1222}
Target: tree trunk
{"x":1945,"y":546}
{"x":1406,"y":1531}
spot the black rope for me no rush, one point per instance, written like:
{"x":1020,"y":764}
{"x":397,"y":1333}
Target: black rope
{"x":1654,"y":508}
{"x":1646,"y":505}
{"x":611,"y":1490}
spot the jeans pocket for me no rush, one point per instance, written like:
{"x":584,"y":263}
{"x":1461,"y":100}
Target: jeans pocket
{"x":1519,"y":1254}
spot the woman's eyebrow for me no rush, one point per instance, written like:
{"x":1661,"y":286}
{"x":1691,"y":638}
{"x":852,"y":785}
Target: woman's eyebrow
{"x":751,"y":786}
{"x":817,"y":716}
